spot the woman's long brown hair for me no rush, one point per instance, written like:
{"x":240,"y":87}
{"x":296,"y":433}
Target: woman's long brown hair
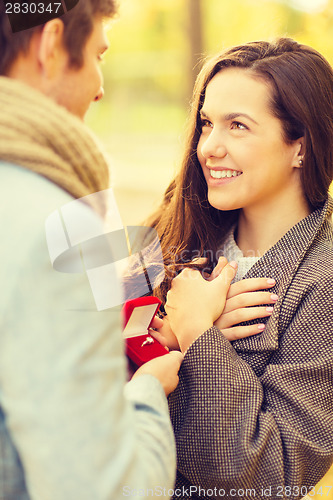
{"x":301,"y":83}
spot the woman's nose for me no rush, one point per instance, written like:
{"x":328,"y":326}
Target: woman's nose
{"x":213,"y":145}
{"x":100,"y":94}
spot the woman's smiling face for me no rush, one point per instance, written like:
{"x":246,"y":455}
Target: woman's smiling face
{"x":244,"y":157}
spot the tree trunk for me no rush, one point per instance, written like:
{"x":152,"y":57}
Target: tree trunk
{"x":195,"y":42}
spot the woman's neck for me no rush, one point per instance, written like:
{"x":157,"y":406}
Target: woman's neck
{"x":259,"y":230}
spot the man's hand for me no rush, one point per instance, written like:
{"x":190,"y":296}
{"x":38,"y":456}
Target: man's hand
{"x":165,"y":369}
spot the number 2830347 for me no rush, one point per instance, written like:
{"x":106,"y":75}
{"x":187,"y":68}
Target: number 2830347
{"x":32,"y":7}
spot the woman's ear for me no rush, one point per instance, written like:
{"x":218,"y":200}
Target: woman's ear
{"x":52,"y":55}
{"x":299,"y":153}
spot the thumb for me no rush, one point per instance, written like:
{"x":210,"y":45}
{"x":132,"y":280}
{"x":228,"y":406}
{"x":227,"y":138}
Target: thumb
{"x":222,"y":262}
{"x":224,"y":279}
{"x":177,"y":355}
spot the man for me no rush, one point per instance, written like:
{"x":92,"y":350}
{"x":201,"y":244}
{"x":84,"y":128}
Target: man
{"x":70,"y":427}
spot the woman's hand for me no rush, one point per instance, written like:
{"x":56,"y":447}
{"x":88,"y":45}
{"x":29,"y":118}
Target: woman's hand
{"x":242,"y":298}
{"x":193,"y":303}
{"x":163,"y":333}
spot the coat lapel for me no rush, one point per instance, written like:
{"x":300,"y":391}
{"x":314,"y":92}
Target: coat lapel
{"x":281,"y":262}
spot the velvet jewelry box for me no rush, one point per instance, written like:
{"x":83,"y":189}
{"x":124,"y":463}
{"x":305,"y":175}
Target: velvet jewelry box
{"x":138,"y":315}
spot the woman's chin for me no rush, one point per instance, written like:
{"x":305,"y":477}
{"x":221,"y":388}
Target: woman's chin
{"x":222,"y":205}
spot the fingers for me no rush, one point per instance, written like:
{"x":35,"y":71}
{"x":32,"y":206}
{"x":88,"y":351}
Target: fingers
{"x":165,"y":369}
{"x":193,"y":303}
{"x":157,"y":322}
{"x":165,"y":335}
{"x":249,"y":299}
{"x":222,"y":262}
{"x":250,"y":285}
{"x":186,"y":273}
{"x":178,"y":357}
{"x":159,"y":337}
{"x":226,"y":275}
{"x":227,"y":320}
{"x":241,"y":332}
{"x":192,"y":279}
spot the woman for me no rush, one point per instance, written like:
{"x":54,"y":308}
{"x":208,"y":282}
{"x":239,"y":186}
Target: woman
{"x":255,"y":416}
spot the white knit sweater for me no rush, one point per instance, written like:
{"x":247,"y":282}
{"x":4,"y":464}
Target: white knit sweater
{"x":232,"y":252}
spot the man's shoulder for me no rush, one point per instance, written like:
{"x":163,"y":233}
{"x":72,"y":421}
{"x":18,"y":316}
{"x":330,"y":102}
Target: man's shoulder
{"x":27,"y":200}
{"x":22,"y":189}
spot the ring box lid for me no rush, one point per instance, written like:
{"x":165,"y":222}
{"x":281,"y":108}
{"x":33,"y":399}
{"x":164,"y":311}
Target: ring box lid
{"x":138,"y":315}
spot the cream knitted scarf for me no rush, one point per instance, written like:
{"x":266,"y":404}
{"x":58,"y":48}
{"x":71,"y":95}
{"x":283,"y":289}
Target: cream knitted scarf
{"x":44,"y":137}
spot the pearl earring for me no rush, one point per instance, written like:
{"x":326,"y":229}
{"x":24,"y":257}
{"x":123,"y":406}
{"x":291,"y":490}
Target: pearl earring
{"x":300,"y":162}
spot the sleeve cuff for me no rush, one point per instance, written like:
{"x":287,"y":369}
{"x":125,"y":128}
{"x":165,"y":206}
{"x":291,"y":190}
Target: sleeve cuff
{"x":211,"y":341}
{"x":147,"y":389}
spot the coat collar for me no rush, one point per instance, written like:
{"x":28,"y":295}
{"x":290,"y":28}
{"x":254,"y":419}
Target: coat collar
{"x":281,"y":262}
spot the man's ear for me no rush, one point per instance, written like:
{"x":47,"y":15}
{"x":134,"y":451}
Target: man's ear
{"x":299,"y":153}
{"x":52,"y":55}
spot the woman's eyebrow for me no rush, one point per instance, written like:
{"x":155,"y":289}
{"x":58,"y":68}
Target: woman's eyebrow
{"x":202,"y":113}
{"x":231,"y":116}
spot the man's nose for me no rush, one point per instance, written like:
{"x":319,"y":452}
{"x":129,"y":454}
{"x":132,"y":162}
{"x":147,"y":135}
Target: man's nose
{"x":214,"y":145}
{"x":99,"y":95}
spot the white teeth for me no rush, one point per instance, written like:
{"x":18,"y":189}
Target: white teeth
{"x":222,"y":174}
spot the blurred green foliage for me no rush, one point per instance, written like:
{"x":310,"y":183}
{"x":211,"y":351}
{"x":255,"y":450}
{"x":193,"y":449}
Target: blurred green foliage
{"x":148,"y":61}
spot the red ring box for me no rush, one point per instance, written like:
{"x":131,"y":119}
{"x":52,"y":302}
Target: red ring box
{"x":138,"y":315}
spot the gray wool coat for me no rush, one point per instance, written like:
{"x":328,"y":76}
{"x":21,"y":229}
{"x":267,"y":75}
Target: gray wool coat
{"x":254,"y":417}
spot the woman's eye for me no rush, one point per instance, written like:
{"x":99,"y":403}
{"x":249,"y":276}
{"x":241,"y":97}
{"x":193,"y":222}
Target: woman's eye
{"x":238,"y":126}
{"x":205,"y":123}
